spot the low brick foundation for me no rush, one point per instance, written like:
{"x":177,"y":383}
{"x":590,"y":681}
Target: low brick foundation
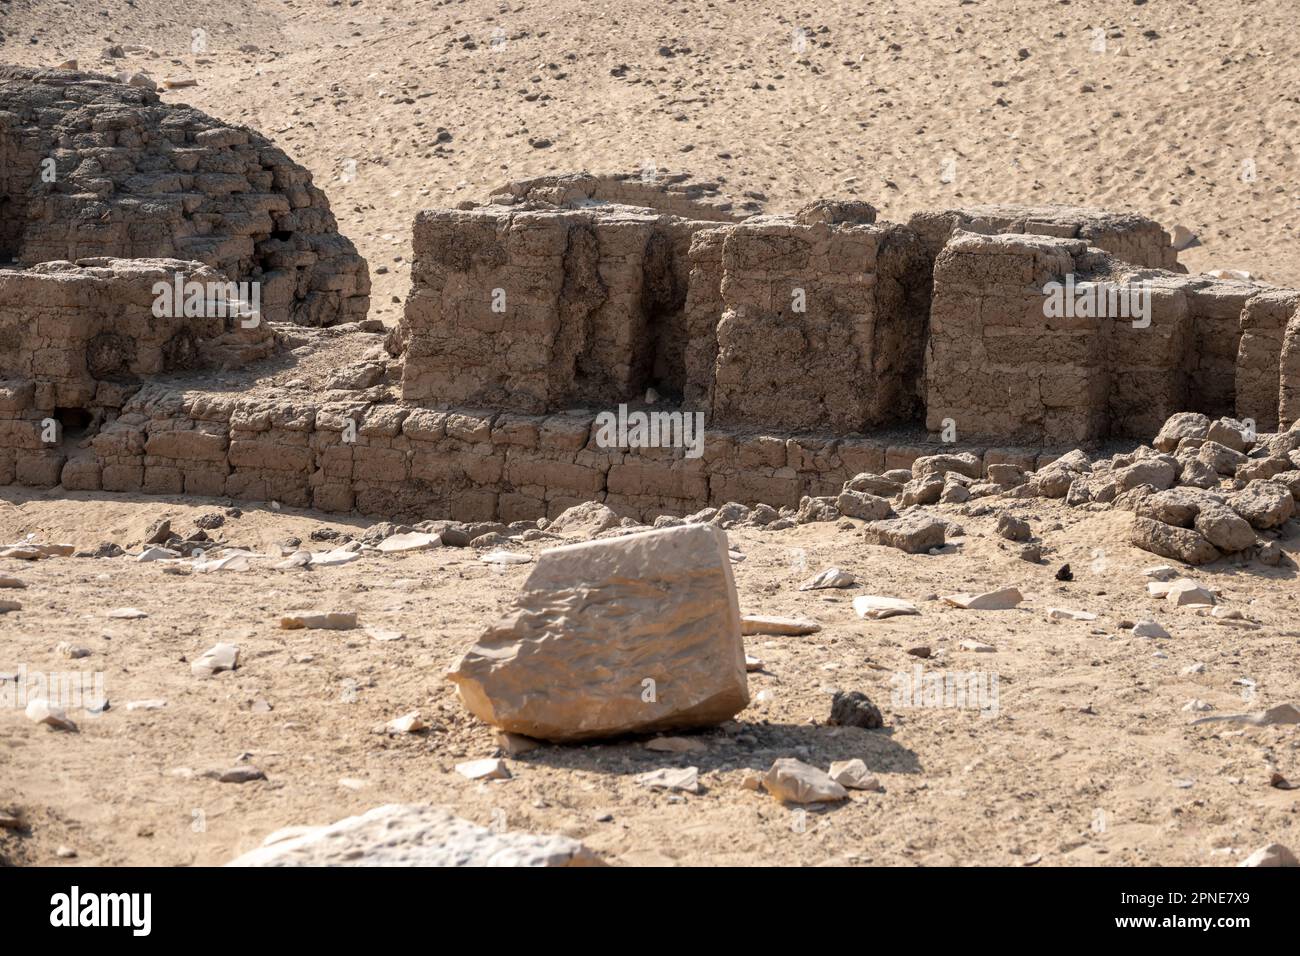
{"x":415,"y":463}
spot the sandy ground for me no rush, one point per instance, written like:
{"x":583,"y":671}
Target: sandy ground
{"x":1188,"y":115}
{"x":1088,"y":759}
{"x":909,"y":105}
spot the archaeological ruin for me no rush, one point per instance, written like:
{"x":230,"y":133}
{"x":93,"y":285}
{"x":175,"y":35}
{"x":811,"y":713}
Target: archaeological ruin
{"x":815,"y":346}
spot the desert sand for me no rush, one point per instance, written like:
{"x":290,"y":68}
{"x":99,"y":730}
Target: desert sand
{"x":1182,"y":112}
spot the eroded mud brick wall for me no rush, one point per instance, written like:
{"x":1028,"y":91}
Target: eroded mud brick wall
{"x":1264,"y":321}
{"x":1289,"y":374}
{"x":83,"y":334}
{"x":543,"y":309}
{"x":421,"y":463}
{"x":1126,"y":236}
{"x":998,"y":365}
{"x":136,"y":178}
{"x":822,"y":326}
{"x":79,"y":341}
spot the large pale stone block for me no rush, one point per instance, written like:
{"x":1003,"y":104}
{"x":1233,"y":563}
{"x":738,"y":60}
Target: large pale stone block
{"x":623,"y":635}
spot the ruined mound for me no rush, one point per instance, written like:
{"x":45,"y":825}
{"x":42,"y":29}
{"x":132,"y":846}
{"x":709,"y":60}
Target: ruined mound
{"x":93,"y":168}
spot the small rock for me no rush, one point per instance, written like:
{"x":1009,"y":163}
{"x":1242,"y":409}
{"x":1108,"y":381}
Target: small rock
{"x":786,"y":626}
{"x":875,"y":608}
{"x":1185,"y":592}
{"x":406,"y":724}
{"x":490,"y":768}
{"x":43,"y":712}
{"x":685,"y":779}
{"x":218,"y":658}
{"x":1064,"y":614}
{"x":126,"y":614}
{"x":1014,"y":529}
{"x":328,"y":621}
{"x":854,"y":775}
{"x":506,"y":557}
{"x":1002,"y":599}
{"x":1149,"y":628}
{"x":516,"y":744}
{"x":240,"y":775}
{"x":914,"y":533}
{"x":794,"y":781}
{"x":976,"y":647}
{"x":854,"y":709}
{"x":413,"y":541}
{"x":830,"y":578}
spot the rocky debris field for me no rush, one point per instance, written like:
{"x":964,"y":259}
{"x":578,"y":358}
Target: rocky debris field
{"x":933,"y":667}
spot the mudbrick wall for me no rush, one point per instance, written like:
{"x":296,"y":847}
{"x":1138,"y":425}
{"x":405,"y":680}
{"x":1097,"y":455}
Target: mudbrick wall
{"x":999,"y":365}
{"x":91,"y":168}
{"x":816,"y":346}
{"x":418,"y":463}
{"x":79,"y":335}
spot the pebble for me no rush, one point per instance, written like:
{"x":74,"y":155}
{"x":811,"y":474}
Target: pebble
{"x":830,"y":578}
{"x":1000,"y":600}
{"x":854,"y":775}
{"x":489,"y":768}
{"x":240,"y":775}
{"x":406,"y":724}
{"x":126,"y":614}
{"x":790,"y":626}
{"x":415,"y":541}
{"x":43,"y":712}
{"x":324,"y":621}
{"x":1187,"y":593}
{"x":794,"y":781}
{"x":1065,"y":614}
{"x":854,"y":709}
{"x":876,"y":608}
{"x":685,"y":779}
{"x":217,"y":658}
{"x":977,"y":647}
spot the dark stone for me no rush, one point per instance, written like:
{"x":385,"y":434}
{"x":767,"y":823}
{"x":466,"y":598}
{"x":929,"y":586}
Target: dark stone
{"x":853,"y":709}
